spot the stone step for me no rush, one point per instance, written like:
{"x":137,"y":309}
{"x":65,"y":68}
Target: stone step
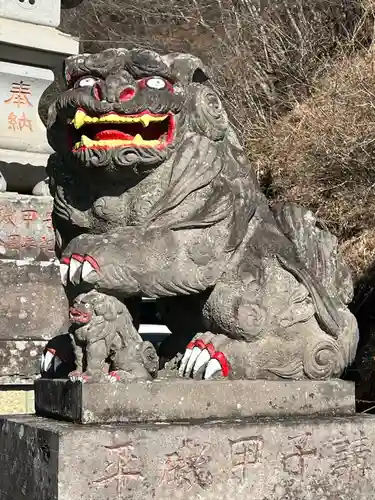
{"x":260,"y":459}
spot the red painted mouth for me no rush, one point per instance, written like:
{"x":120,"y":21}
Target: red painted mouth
{"x":144,"y":130}
{"x":79,"y":317}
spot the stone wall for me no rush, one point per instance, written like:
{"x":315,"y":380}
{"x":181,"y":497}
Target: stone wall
{"x":32,"y":302}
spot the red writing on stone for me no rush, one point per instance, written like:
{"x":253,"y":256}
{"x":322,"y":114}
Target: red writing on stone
{"x":20,"y":92}
{"x":48,"y":220}
{"x":30,"y":215}
{"x":19,"y":122}
{"x":7,"y":216}
{"x":10,"y":216}
{"x":18,"y":242}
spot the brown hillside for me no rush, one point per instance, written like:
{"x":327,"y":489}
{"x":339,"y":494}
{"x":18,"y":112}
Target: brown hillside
{"x":322,"y":155}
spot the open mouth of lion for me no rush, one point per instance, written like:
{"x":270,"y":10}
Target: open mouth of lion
{"x":144,"y":130}
{"x":78,"y":317}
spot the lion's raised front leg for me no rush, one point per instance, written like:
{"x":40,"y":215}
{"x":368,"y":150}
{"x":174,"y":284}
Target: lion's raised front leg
{"x":135,"y":262}
{"x":107,"y":345}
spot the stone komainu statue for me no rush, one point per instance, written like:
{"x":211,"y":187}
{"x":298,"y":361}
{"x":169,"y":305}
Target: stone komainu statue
{"x":154,"y":196}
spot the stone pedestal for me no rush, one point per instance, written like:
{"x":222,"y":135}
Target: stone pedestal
{"x":180,"y":400}
{"x":311,"y":457}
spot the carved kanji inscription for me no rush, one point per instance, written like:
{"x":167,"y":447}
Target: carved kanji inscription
{"x":294,"y":462}
{"x":245,"y":454}
{"x":188,"y":466}
{"x":122,"y":469}
{"x":351,"y":456}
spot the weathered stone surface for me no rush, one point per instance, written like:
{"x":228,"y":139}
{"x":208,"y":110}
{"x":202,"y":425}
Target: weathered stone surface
{"x":20,"y":358}
{"x":32,"y":301}
{"x":26,"y":228}
{"x":187,"y":400}
{"x":304,"y":459}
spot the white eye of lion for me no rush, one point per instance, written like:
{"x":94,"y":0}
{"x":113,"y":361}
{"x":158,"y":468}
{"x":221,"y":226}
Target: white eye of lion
{"x":87,"y":82}
{"x":156,"y":83}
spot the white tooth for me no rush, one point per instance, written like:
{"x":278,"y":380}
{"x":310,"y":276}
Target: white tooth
{"x":56,"y":363}
{"x":86,"y":270}
{"x":184,"y":361}
{"x":64,"y":269}
{"x":213,"y":367}
{"x":73,"y":268}
{"x":72,"y":378}
{"x":47,"y":361}
{"x":195,"y":353}
{"x":202,"y":360}
{"x":42,"y":363}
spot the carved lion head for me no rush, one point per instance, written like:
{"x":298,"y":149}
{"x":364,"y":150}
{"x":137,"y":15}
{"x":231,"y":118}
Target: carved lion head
{"x":132,"y":108}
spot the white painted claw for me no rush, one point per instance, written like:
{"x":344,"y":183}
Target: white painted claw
{"x":42,"y":363}
{"x":48,"y":357}
{"x":194,"y":354}
{"x":213,"y":367}
{"x":184,"y":361}
{"x":74,"y":268}
{"x":64,"y":270}
{"x":77,"y":378}
{"x":87,"y":268}
{"x":203,"y":358}
{"x":56,"y":363}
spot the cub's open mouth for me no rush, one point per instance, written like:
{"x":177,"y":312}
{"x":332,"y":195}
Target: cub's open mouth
{"x":145,"y":130}
{"x":79,"y":317}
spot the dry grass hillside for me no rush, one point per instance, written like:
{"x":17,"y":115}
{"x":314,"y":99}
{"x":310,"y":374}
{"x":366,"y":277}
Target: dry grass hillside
{"x":298,"y":78}
{"x":322,"y":154}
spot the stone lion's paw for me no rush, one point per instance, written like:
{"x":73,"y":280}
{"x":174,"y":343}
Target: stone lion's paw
{"x":113,"y":377}
{"x":201,"y":359}
{"x":77,"y":376}
{"x":78,"y":268}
